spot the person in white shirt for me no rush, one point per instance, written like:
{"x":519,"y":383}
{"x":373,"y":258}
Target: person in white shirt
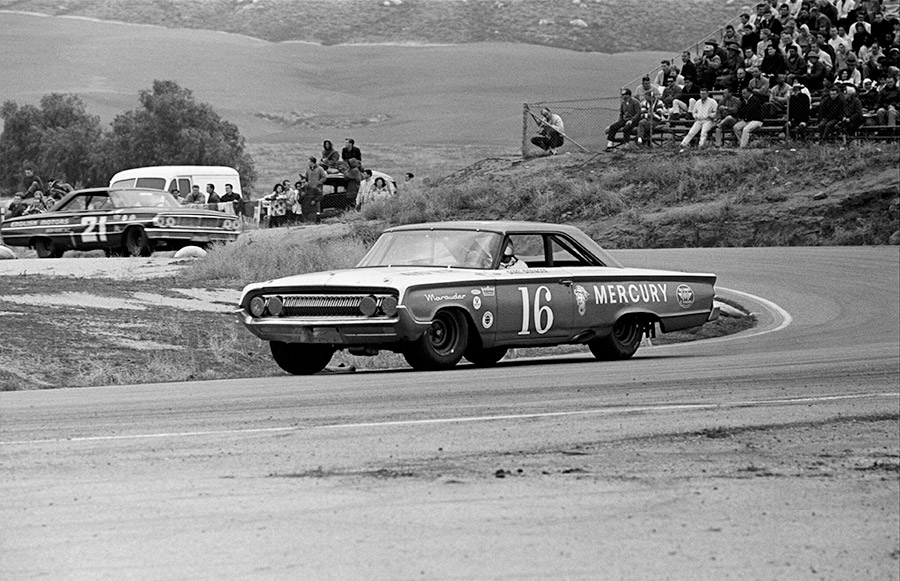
{"x":704,"y":111}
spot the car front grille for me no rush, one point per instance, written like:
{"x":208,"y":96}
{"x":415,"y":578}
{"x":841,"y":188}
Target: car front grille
{"x":322,"y":305}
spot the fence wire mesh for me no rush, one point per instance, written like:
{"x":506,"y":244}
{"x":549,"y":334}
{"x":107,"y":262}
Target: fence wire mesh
{"x":585,"y":123}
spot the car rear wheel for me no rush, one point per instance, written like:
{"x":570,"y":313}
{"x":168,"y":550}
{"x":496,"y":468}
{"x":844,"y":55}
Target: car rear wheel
{"x":443,"y":345}
{"x":136,"y":242}
{"x":486,"y":357}
{"x":46,"y":248}
{"x":621,"y":343}
{"x":301,"y":358}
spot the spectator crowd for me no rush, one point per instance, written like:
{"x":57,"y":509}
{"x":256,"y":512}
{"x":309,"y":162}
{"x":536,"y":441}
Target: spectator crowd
{"x":822,"y":68}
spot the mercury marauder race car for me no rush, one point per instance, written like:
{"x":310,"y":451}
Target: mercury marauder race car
{"x":443,"y":291}
{"x":121,"y":221}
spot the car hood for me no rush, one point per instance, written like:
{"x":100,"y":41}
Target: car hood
{"x":398,"y":277}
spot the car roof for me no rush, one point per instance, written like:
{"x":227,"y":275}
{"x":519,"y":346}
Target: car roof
{"x":516,"y":227}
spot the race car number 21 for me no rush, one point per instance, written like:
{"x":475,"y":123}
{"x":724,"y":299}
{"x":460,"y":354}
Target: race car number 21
{"x":95,"y":230}
{"x":543,"y":314}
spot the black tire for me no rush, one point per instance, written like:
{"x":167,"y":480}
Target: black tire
{"x":443,"y":345}
{"x":46,"y":248}
{"x":136,"y":242}
{"x":621,"y":343}
{"x":301,"y":358}
{"x":486,"y":357}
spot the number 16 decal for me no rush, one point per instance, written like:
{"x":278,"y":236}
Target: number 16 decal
{"x":92,"y":223}
{"x":543,"y":314}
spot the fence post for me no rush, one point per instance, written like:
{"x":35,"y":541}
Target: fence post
{"x":524,"y":128}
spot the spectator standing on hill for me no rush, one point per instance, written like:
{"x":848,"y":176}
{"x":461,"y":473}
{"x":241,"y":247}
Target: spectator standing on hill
{"x":211,"y":196}
{"x":779,"y":94}
{"x":629,"y":115}
{"x":311,"y":199}
{"x":652,"y":114}
{"x":31,"y":183}
{"x":888,"y":102}
{"x":831,"y":113}
{"x":277,"y":206}
{"x":195,"y":197}
{"x":704,"y":112}
{"x":552,"y":131}
{"x":231,"y":196}
{"x":378,"y":191}
{"x":354,"y":178}
{"x":798,"y":110}
{"x":350,"y":151}
{"x":364,"y":187}
{"x":330,"y":157}
{"x":750,"y":117}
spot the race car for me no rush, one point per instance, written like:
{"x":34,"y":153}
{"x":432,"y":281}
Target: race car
{"x":439,"y":292}
{"x":133,"y":222}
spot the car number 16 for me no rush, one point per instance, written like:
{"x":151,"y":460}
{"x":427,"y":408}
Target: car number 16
{"x":543,"y":314}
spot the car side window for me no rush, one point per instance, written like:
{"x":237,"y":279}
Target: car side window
{"x":566,"y":255}
{"x":76,"y":204}
{"x":529,"y":248}
{"x":100,"y":203}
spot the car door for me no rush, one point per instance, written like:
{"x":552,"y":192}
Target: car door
{"x":88,"y":224}
{"x":535,"y":305}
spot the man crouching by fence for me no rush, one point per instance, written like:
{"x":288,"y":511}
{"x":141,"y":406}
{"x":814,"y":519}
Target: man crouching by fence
{"x":552,"y":131}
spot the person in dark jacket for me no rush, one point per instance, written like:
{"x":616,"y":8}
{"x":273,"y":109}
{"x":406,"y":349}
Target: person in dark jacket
{"x":814,"y":79}
{"x":798,"y":110}
{"x":831,"y":113}
{"x":750,"y":117}
{"x":853,"y":111}
{"x":629,"y":115}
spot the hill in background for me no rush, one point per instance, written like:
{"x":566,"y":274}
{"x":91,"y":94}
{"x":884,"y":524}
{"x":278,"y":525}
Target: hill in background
{"x":608,"y":26}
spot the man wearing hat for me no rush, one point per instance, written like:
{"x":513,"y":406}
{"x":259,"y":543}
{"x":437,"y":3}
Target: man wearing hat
{"x":629,"y":114}
{"x":799,"y":106}
{"x":814,"y":79}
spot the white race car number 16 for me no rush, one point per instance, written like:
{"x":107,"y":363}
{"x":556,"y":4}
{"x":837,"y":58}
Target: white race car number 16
{"x":543,"y":314}
{"x":96,"y":229}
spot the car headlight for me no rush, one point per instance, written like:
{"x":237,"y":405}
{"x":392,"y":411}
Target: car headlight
{"x":368,"y":306}
{"x":275,"y":306}
{"x":171,"y":221}
{"x":257,"y":306}
{"x":389,"y":306}
{"x":159,"y":221}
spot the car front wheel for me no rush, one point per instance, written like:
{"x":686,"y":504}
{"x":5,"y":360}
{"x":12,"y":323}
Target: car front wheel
{"x":443,"y":345}
{"x":136,"y":242}
{"x":301,"y":358}
{"x":46,"y":248}
{"x":621,"y":343}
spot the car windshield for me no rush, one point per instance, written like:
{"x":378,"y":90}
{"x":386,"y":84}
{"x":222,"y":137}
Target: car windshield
{"x":444,"y":248}
{"x":143,"y":199}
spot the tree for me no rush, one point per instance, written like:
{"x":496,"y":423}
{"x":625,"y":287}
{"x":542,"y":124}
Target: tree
{"x":172,"y":128}
{"x":57,"y":138}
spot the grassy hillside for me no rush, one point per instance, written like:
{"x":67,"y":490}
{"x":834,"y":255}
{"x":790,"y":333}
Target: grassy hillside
{"x":608,"y":26}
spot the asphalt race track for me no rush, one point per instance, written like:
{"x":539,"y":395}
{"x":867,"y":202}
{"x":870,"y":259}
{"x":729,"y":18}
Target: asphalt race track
{"x":728,"y":458}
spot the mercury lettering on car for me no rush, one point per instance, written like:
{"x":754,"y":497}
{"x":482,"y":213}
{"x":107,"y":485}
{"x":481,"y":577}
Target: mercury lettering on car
{"x":631,"y":293}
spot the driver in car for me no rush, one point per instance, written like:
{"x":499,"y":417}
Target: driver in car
{"x":509,"y":261}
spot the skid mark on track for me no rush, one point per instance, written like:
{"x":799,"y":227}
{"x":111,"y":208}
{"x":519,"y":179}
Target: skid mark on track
{"x":612,"y":410}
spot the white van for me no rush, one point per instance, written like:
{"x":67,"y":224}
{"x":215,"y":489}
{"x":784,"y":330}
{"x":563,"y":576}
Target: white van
{"x":167,"y":177}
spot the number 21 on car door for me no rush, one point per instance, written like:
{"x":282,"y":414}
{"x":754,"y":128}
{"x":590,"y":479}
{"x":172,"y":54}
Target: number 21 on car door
{"x":534,"y":311}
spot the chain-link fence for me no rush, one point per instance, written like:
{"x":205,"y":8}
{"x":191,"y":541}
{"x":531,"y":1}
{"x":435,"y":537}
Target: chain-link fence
{"x":585,"y":124}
